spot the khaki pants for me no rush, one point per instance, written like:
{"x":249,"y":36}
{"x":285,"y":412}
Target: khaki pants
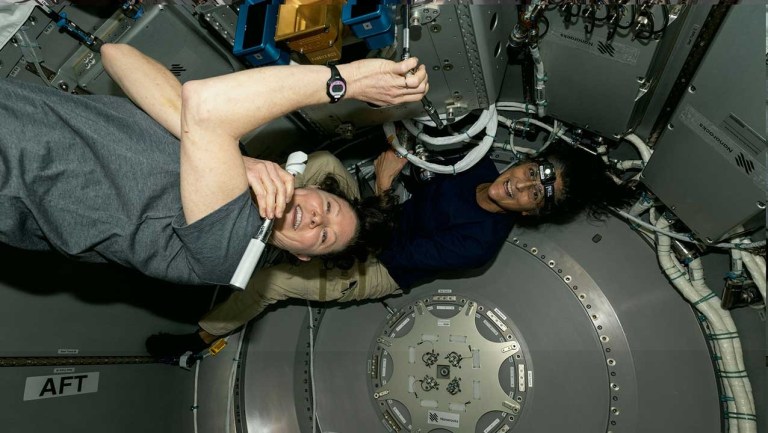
{"x":307,"y":280}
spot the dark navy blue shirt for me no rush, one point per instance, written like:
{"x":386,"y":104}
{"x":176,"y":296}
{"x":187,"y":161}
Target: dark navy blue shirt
{"x":443,"y":228}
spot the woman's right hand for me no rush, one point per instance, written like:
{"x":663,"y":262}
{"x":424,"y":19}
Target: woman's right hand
{"x":271,"y":184}
{"x":388,"y":165}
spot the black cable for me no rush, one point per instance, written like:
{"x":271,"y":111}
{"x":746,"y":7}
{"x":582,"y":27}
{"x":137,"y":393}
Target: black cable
{"x":646,"y":33}
{"x":604,"y":17}
{"x":589,"y":20}
{"x":546,"y":29}
{"x":569,"y":13}
{"x":631,"y":19}
{"x":665,"y":15}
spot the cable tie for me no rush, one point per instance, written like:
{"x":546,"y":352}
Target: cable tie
{"x":194,"y":407}
{"x":705,"y":298}
{"x":739,"y":415}
{"x":726,"y":375}
{"x":454,"y":169}
{"x":681,"y":273}
{"x":669,"y":268}
{"x":719,"y":334}
{"x":717,"y":337}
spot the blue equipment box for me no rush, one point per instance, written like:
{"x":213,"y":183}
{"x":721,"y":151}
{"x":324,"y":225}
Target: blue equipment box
{"x":371,"y":21}
{"x":255,"y":33}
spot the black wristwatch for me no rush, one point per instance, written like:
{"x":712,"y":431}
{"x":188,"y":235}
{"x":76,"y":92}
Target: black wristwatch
{"x":336,"y":87}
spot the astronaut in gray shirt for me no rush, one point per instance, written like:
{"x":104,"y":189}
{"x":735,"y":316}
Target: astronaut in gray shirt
{"x":162,"y":187}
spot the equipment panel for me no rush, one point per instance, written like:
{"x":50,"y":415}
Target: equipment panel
{"x":709,"y":164}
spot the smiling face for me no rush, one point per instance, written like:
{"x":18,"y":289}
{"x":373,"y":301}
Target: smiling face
{"x":315,"y":223}
{"x":519,"y":188}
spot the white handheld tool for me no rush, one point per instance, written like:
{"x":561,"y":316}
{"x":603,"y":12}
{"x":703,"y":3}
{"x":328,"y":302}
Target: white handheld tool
{"x":297,"y":162}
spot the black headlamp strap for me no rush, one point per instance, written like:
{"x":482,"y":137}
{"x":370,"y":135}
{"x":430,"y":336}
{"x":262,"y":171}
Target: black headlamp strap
{"x":548,"y":177}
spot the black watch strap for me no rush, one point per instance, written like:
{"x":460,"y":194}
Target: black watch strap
{"x":336,"y":87}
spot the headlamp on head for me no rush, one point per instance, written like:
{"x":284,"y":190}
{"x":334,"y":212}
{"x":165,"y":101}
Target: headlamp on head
{"x":547,"y":177}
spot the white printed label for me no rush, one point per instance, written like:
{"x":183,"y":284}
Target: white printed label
{"x":443,"y":322}
{"x":530,"y":378}
{"x":399,"y":415}
{"x":444,"y":290}
{"x":445,"y":419}
{"x":61,"y":385}
{"x":500,"y":314}
{"x":403,"y":323}
{"x":492,"y":425}
{"x":68,"y":351}
{"x":61,"y":370}
{"x":383,"y":367}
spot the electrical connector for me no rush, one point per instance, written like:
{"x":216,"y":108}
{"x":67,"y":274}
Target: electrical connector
{"x":740,"y":292}
{"x":217,"y":346}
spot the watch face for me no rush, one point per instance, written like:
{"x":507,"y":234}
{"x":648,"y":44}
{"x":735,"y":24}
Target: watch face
{"x":337,"y":88}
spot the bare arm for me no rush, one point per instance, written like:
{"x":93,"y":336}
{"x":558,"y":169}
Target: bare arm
{"x":148,"y":83}
{"x":388,"y":165}
{"x":216,"y":112}
{"x":156,"y":91}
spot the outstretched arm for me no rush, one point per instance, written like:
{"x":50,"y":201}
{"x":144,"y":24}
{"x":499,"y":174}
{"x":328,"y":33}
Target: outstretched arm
{"x":237,"y":103}
{"x":148,"y":83}
{"x":216,"y":112}
{"x":156,"y":91}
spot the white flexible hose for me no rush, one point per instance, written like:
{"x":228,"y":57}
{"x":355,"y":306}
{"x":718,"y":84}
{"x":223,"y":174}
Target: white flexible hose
{"x":684,"y":237}
{"x":425,"y":120}
{"x":732,"y":356}
{"x":194,"y":401}
{"x":753,"y":267}
{"x":641,"y":205}
{"x":541,"y":78}
{"x":312,"y":366}
{"x":739,"y":403}
{"x":232,"y":379}
{"x":470,"y":159}
{"x":642,"y":148}
{"x":679,"y":278}
{"x":630,"y":164}
{"x":515,"y":106}
{"x":516,"y":149}
{"x":737,"y":264}
{"x":485,"y":118}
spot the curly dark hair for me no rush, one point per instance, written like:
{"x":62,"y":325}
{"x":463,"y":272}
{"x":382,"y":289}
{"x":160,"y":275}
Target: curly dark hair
{"x":376,"y":218}
{"x":587,"y":185}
